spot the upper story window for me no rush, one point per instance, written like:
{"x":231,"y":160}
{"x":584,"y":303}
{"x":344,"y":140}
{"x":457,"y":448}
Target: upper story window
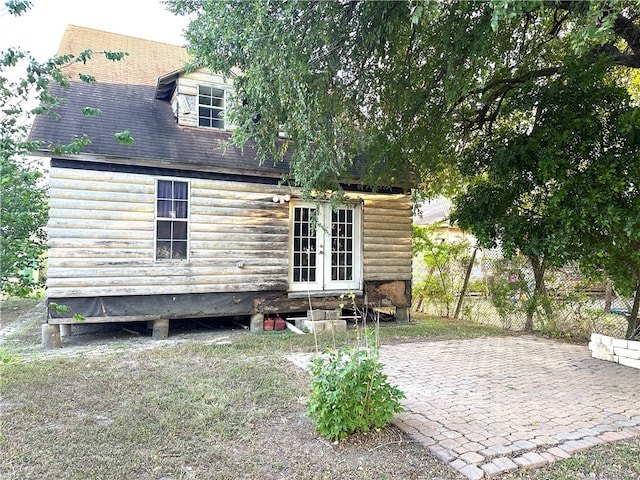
{"x":211,"y":106}
{"x":172,"y":220}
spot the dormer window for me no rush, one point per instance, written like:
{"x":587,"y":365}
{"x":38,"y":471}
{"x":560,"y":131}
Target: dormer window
{"x":211,"y":106}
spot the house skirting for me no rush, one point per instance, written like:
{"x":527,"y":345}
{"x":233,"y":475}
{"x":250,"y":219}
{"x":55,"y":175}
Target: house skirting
{"x":132,"y":308}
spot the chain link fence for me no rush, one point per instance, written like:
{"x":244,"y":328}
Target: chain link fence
{"x":498,"y":293}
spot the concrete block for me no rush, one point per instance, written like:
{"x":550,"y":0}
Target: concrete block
{"x":472,"y":458}
{"x":471,"y":472}
{"x":499,"y":465}
{"x":50,"y":336}
{"x":620,"y":343}
{"x":531,"y":460}
{"x":442,"y":453}
{"x":607,"y":340}
{"x":629,"y":362}
{"x":256,"y":322}
{"x":627,"y":353}
{"x":602,"y":352}
{"x":596,"y":338}
{"x":634,"y":345}
{"x":160,"y":329}
{"x":403,"y":315}
{"x":65,"y":330}
{"x":525,"y":445}
{"x":321,"y":315}
{"x":324,"y":326}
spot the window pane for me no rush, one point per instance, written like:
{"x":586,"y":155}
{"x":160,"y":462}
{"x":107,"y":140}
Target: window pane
{"x":179,"y":251}
{"x":164,"y":230}
{"x":164,"y":208}
{"x":180,"y":190}
{"x":163,"y":249}
{"x":164,"y":189}
{"x":180,"y":209}
{"x":179,"y":230}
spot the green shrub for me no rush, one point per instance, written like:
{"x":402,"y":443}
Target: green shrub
{"x":350,"y":394}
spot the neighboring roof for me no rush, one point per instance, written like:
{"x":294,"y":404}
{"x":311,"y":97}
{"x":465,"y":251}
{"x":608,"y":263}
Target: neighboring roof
{"x":433,"y":211}
{"x":147,"y":60}
{"x":159,"y":140}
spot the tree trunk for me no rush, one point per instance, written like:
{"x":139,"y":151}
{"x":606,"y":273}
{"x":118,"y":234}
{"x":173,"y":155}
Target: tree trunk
{"x":465,"y":285}
{"x":540,"y":292}
{"x":608,"y":295}
{"x":633,"y":326}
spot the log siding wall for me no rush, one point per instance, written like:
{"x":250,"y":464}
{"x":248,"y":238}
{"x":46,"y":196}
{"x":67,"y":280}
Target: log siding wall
{"x":102,"y":234}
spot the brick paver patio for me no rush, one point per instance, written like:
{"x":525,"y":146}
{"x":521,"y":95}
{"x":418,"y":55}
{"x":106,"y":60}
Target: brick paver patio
{"x":491,"y":405}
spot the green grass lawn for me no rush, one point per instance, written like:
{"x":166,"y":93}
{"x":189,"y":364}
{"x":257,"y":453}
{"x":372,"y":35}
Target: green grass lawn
{"x":192,"y":410}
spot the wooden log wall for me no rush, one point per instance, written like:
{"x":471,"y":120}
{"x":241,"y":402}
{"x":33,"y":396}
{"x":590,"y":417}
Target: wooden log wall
{"x":102,"y":229}
{"x":102,"y":237}
{"x":387,"y":237}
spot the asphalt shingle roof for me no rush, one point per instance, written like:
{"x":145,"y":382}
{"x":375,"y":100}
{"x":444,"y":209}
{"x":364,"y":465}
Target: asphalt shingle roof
{"x":159,"y":140}
{"x":125,"y":93}
{"x":146,"y":60}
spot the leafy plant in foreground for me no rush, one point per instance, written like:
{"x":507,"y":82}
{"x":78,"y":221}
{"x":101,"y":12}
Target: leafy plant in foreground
{"x":350,"y":393}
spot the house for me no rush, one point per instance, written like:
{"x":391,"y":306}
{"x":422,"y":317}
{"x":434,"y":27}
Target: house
{"x":180,"y":225}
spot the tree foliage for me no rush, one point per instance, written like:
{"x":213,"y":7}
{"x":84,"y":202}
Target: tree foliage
{"x":410,"y":84}
{"x":25,"y":91}
{"x":23,"y":216}
{"x":439,"y":93}
{"x":561,"y":184}
{"x":443,"y":261}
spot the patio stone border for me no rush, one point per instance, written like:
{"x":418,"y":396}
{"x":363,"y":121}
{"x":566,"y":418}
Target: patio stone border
{"x":624,"y":352}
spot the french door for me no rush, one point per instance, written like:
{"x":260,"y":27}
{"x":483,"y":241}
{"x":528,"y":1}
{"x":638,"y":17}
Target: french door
{"x":326,"y":251}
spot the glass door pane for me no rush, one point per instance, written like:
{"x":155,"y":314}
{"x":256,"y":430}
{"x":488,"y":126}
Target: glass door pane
{"x":304,"y":251}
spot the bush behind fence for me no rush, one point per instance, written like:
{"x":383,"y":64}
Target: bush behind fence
{"x":499,"y":291}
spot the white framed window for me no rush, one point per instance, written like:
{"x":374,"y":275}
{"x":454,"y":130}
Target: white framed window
{"x":172,"y":220}
{"x":212,"y":103}
{"x":325,"y":248}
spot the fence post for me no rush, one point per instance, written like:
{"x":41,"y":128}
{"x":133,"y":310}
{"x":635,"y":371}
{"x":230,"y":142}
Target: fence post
{"x":465,"y":284}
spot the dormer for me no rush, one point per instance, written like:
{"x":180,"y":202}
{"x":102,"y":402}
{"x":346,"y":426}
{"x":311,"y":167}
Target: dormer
{"x":198,"y":98}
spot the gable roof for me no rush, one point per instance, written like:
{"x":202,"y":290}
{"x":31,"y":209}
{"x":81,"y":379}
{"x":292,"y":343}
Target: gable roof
{"x":159,"y":140}
{"x":125,"y":93}
{"x":145,"y":62}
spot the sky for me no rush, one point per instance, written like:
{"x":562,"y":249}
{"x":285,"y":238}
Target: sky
{"x":40,"y":29}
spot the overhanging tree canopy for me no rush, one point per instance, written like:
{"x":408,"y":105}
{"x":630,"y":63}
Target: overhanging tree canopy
{"x":564,"y":185}
{"x":411,"y":84}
